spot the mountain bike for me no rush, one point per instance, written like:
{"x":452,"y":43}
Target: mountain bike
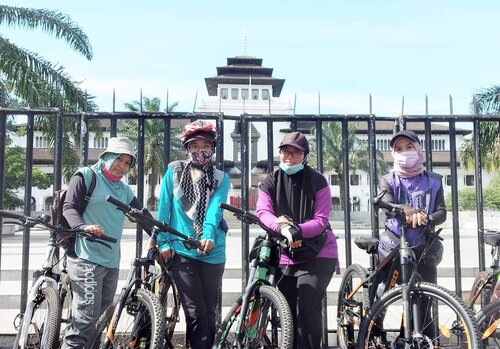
{"x":48,"y":306}
{"x":486,"y":285}
{"x":147,"y":310}
{"x":485,"y":294}
{"x":488,"y":320}
{"x":261,"y":316}
{"x":375,"y":312}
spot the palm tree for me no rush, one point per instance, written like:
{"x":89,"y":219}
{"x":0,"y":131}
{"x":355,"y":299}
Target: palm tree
{"x":487,"y":101}
{"x":153,"y":142}
{"x":36,"y":81}
{"x":30,"y":76}
{"x":358,"y":153}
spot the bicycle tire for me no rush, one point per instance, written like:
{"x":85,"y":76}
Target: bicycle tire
{"x":270,"y":320}
{"x":141,"y":323}
{"x":488,"y":320}
{"x":66,"y":297}
{"x":351,"y":307}
{"x":44,"y":324}
{"x":102,"y":324}
{"x":484,"y":298}
{"x":456,"y":326}
{"x":169,"y":299}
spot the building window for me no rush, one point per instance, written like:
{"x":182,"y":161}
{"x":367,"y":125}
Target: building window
{"x":40,"y":142}
{"x":234,"y":93}
{"x":244,"y":93}
{"x":132,"y":180}
{"x":255,"y":94}
{"x":101,"y":142}
{"x":265,"y":94}
{"x":355,"y":179}
{"x":334,"y":179}
{"x":223,"y":93}
{"x":336,"y":206}
{"x":448,"y":180}
{"x":469,"y":180}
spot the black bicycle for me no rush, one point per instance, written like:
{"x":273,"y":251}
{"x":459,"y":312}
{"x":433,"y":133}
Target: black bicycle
{"x":48,"y":307}
{"x":148,"y":307}
{"x":261,"y":317}
{"x":376,"y":313}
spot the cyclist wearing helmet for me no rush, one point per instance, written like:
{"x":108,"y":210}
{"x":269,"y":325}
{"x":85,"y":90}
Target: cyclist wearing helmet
{"x":190,"y":195}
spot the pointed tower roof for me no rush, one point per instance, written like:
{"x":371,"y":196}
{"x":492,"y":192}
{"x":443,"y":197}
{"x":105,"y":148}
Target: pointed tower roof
{"x":239,"y":70}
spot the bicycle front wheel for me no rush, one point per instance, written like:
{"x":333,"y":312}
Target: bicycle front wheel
{"x":140,"y":324}
{"x":352,"y":304}
{"x":438,"y":318}
{"x":42,"y":331}
{"x":481,"y":285}
{"x":267,"y":324}
{"x":488,"y":320}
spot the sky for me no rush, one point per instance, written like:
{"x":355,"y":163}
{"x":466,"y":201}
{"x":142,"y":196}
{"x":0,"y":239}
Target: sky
{"x":342,"y":51}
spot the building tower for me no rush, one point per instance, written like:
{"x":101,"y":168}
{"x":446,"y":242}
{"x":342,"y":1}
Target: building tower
{"x":245,"y":86}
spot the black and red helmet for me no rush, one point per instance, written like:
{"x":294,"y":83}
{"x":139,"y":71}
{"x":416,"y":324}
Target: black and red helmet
{"x":198,"y":130}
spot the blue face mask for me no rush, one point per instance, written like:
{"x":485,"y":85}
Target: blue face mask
{"x":291,"y":170}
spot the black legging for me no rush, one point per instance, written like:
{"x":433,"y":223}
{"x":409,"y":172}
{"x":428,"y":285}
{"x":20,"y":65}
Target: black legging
{"x":198,"y":283}
{"x":304,"y":294}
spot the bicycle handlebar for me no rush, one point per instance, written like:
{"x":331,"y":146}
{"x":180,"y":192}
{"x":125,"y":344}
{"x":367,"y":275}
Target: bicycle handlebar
{"x":141,"y":215}
{"x":250,"y":218}
{"x":44,"y":220}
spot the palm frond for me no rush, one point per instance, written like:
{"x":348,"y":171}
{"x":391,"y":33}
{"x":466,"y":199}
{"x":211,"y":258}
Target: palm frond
{"x":29,"y":73}
{"x":52,"y":22}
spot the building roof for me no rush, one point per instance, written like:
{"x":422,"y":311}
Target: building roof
{"x":244,"y":70}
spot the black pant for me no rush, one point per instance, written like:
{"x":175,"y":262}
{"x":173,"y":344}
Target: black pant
{"x":304,"y":293}
{"x":198,"y":283}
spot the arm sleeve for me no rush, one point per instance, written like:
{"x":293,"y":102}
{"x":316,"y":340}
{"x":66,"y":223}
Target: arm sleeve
{"x":264,"y":210}
{"x":321,"y":214}
{"x":74,"y":202}
{"x":439,"y":214}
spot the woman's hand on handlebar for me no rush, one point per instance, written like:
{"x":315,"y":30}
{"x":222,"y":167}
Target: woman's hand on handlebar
{"x":94,"y":229}
{"x":415,"y":217}
{"x":205,"y":246}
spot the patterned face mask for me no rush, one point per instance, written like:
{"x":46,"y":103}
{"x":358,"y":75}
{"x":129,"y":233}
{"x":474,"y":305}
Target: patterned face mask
{"x":202,"y":157}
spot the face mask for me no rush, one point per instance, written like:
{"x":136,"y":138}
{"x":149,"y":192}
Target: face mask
{"x":291,"y":170}
{"x":202,"y":157}
{"x":406,"y":159}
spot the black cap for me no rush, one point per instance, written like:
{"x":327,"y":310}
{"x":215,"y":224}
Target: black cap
{"x":297,"y":140}
{"x":405,"y":133}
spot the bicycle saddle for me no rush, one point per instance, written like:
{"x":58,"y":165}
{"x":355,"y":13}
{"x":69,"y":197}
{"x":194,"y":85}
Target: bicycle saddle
{"x":492,"y":237}
{"x":369,"y":244}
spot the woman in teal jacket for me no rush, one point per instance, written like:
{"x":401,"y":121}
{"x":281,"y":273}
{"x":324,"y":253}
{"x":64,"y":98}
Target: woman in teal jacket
{"x":189,"y":201}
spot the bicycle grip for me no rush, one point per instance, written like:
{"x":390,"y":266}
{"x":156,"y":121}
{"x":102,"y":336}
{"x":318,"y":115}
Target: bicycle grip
{"x":118,"y":203}
{"x":231,"y":208}
{"x":13,"y":215}
{"x":107,"y":238}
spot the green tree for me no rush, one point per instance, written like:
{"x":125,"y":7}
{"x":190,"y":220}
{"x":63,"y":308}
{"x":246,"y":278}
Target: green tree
{"x":153,"y":142}
{"x":15,"y":168}
{"x":358,"y":153}
{"x":487,"y":101}
{"x":30,"y":76}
